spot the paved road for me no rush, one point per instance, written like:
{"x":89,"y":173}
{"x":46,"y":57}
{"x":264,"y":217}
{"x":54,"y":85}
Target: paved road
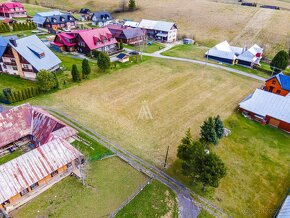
{"x":188,"y":207}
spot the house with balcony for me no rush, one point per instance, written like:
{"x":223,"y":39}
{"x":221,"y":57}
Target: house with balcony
{"x":12,"y":10}
{"x":101,"y":18}
{"x":54,"y":20}
{"x":85,"y":41}
{"x":25,"y":57}
{"x":159,"y":30}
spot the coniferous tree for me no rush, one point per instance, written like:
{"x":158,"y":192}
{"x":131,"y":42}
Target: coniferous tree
{"x":75,"y":73}
{"x":280,"y":62}
{"x":184,"y":147}
{"x":103,"y":61}
{"x":219,"y":127}
{"x":86,"y":69}
{"x":132,"y":5}
{"x":207,"y":132}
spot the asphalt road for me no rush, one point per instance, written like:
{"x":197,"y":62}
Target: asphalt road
{"x":188,"y":207}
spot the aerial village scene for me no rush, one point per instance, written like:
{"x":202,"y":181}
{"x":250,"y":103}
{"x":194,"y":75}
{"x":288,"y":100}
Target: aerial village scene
{"x":142,"y":108}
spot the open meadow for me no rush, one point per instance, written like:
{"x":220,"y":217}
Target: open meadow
{"x":208,"y":21}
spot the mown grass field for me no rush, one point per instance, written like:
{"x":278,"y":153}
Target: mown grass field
{"x":155,"y":200}
{"x":147,"y":48}
{"x":10,"y":156}
{"x":109,"y":183}
{"x":31,"y":9}
{"x":179,"y":95}
{"x":257,"y":160}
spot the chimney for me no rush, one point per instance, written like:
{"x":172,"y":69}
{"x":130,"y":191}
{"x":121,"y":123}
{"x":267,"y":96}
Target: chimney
{"x":13,"y":42}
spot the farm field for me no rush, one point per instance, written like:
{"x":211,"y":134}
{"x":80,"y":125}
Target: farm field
{"x":203,"y":20}
{"x":155,"y":200}
{"x":257,"y":160}
{"x":107,"y":189}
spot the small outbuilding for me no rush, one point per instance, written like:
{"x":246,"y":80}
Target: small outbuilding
{"x":123,"y":58}
{"x":187,"y":41}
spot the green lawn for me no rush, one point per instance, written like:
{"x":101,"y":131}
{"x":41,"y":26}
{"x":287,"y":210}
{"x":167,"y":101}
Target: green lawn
{"x":90,"y":148}
{"x":33,"y":9}
{"x":10,"y":156}
{"x":257,"y":161}
{"x":147,"y":48}
{"x":109,"y":183}
{"x":155,"y":200}
{"x":15,"y":83}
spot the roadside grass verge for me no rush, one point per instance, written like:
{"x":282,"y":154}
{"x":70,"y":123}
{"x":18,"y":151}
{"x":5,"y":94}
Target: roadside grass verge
{"x":257,"y":161}
{"x":155,"y":200}
{"x":205,"y":214}
{"x":90,"y":148}
{"x":109,"y":182}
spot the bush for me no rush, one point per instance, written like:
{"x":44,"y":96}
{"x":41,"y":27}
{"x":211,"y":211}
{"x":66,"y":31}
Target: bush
{"x":46,"y":80}
{"x":280,"y":62}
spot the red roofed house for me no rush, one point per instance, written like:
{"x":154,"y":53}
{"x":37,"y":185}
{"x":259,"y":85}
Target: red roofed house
{"x":85,"y":41}
{"x":47,"y":152}
{"x":12,"y":9}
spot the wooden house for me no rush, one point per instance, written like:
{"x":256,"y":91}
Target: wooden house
{"x":12,"y":10}
{"x":278,"y":84}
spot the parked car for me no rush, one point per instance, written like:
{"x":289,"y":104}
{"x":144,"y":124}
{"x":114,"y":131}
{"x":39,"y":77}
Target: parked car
{"x":133,"y":52}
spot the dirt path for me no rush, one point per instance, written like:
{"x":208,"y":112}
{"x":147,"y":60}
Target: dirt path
{"x":249,"y":34}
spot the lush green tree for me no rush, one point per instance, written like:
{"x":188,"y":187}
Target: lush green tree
{"x":208,"y":133}
{"x":75,"y":73}
{"x":219,"y":127}
{"x":86,"y":69}
{"x":184,"y":147}
{"x":132,"y":5}
{"x":46,"y":80}
{"x":96,"y":53}
{"x":202,"y":167}
{"x":121,"y":45}
{"x":103,"y":61}
{"x":20,"y":96}
{"x":280,"y":61}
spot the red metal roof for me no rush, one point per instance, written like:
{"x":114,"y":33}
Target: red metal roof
{"x":26,"y":120}
{"x":89,"y":36}
{"x":22,"y":172}
{"x":5,"y":7}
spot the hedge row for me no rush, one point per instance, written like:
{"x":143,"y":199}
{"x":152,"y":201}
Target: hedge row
{"x":21,"y":95}
{"x":4,"y":27}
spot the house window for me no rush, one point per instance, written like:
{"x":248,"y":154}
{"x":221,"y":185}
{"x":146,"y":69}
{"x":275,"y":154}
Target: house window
{"x":278,"y":91}
{"x":54,"y":173}
{"x":25,"y":66}
{"x":274,"y":82}
{"x":24,"y":192}
{"x":34,"y":186}
{"x":14,"y":68}
{"x":69,"y":165}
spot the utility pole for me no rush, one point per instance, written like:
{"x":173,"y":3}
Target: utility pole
{"x":166,"y":157}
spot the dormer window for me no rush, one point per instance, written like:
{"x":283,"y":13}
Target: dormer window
{"x":274,"y":82}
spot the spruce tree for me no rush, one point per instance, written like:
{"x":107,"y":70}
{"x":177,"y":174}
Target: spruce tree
{"x":207,"y":132}
{"x":132,"y":5}
{"x":219,"y":127}
{"x":183,"y":151}
{"x":75,"y":73}
{"x":280,"y":62}
{"x":86,"y":69}
{"x":20,"y":96}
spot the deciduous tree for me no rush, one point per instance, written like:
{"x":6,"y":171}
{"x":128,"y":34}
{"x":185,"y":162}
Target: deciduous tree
{"x":103,"y":61}
{"x":280,"y":62}
{"x":46,"y":80}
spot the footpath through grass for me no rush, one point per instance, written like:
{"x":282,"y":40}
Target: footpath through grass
{"x":257,"y":161}
{"x":155,"y":200}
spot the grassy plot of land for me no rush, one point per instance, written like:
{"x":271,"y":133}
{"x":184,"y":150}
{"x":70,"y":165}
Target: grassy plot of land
{"x":205,"y":214}
{"x":10,"y":156}
{"x":179,"y":95}
{"x":90,"y":148}
{"x":147,"y":48}
{"x":109,"y":183}
{"x":197,"y":53}
{"x":257,"y":161}
{"x":155,"y":200}
{"x":33,"y":9}
{"x":15,"y":83}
